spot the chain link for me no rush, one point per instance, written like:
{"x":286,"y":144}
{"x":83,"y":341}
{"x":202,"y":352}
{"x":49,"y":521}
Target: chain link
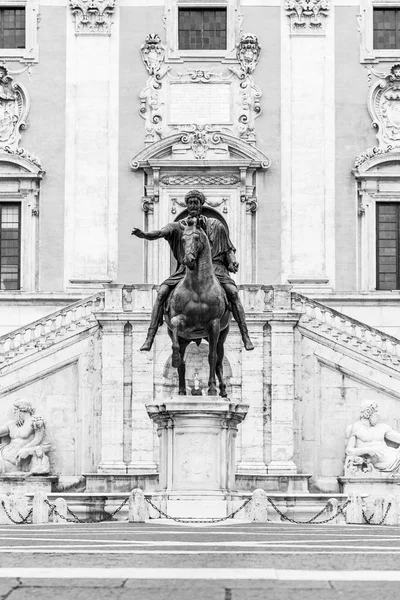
{"x":205,"y":520}
{"x":24,"y":520}
{"x":311,"y":521}
{"x":76,"y":519}
{"x":368,"y":520}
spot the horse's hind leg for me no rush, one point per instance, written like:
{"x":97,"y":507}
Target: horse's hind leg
{"x":220,"y":358}
{"x":183,"y":344}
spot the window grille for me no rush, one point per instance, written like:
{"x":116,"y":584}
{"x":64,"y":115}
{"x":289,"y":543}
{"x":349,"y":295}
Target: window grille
{"x":10,"y":246}
{"x":386,"y":28}
{"x":388,"y":246}
{"x":202,"y":29}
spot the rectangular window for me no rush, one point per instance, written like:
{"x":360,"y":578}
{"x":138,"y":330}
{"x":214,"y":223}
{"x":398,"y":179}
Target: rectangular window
{"x":202,"y":29}
{"x":388,"y":246}
{"x":386,"y":28}
{"x":10,"y":246}
{"x":12,"y":27}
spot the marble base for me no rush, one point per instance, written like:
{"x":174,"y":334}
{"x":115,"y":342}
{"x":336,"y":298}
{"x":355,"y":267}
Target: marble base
{"x":370,"y":486}
{"x":19,"y":483}
{"x":197,"y":453}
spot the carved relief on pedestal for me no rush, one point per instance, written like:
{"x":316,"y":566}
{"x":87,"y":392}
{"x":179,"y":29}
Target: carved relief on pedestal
{"x":92,"y":16}
{"x":307,"y":16}
{"x":186,"y":101}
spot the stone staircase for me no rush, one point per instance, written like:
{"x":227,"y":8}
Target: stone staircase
{"x":344,"y":331}
{"x":316,"y":318}
{"x":47,"y":331}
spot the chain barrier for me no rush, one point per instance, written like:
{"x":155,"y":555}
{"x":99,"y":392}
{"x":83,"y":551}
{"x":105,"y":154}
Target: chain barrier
{"x":23,"y":521}
{"x":368,"y":520}
{"x":311,"y":521}
{"x":76,"y":519}
{"x":205,"y":520}
{"x":109,"y":516}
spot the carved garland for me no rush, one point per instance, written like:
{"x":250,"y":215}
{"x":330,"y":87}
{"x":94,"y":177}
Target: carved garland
{"x":92,"y":16}
{"x":307,"y":15}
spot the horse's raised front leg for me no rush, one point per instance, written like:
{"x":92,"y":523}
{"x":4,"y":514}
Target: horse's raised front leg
{"x":183,"y":344}
{"x":176,"y":324}
{"x":220,"y":358}
{"x":213,"y":334}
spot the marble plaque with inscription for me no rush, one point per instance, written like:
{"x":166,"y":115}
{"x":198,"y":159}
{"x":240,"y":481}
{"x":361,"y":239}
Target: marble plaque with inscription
{"x":200,"y":103}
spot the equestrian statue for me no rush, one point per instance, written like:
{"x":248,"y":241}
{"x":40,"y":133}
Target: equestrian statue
{"x":198,"y":298}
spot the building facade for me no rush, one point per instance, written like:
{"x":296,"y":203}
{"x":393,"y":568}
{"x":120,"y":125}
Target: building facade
{"x":285,"y":115}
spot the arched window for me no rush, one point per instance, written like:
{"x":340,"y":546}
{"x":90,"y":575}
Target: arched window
{"x":206,"y":212}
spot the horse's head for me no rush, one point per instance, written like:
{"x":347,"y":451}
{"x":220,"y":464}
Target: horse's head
{"x":193,"y":242}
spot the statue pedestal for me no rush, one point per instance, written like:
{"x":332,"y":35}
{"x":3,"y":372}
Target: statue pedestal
{"x":378,"y":484}
{"x":23,"y":483}
{"x":197,"y":454}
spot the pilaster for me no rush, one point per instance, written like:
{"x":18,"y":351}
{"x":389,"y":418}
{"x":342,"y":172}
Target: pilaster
{"x":282,"y":393}
{"x":112,"y":417}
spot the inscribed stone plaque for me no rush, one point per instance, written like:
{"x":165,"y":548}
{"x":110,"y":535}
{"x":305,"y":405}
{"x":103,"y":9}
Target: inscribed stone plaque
{"x":200,"y":103}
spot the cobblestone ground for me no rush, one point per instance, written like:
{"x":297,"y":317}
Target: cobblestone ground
{"x":164,"y":561}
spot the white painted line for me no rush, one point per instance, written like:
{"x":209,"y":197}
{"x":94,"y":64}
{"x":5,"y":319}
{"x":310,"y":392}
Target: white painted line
{"x":220,"y":545}
{"x":142,"y":552}
{"x":198,"y":573}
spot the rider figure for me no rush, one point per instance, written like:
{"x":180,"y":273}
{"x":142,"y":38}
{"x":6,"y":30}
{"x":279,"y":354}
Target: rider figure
{"x":223,"y":258}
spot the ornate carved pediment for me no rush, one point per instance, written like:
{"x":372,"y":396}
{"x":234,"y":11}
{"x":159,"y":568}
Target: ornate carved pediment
{"x":307,"y":16}
{"x":92,"y":16}
{"x":234,"y":151}
{"x":222,"y":101}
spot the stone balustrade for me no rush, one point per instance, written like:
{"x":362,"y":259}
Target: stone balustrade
{"x":345,"y":330}
{"x":48,"y":330}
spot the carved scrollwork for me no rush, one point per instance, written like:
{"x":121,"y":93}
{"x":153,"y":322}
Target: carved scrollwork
{"x":371,"y":153}
{"x":248,"y":53}
{"x":384,"y":108}
{"x":92,"y":16}
{"x":307,"y":15}
{"x":166,"y":106}
{"x":153,"y":53}
{"x":200,"y":138}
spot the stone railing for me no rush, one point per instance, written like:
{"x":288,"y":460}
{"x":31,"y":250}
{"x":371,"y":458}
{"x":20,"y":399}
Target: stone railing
{"x":50,"y":329}
{"x":356,"y":335}
{"x":139,"y":298}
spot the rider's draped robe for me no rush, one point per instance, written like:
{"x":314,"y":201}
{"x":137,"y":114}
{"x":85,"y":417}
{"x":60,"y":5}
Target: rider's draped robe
{"x":220,"y":245}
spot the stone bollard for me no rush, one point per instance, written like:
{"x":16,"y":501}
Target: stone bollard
{"x":4,"y":520}
{"x":332,"y":509}
{"x":40,"y":509}
{"x":138,"y":507}
{"x":392,"y":518}
{"x":18,"y":506}
{"x":354,"y":510}
{"x":61,"y":508}
{"x":378,"y":510}
{"x":257,"y":508}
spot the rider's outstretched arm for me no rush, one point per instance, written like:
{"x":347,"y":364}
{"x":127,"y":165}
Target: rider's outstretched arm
{"x":150,"y":235}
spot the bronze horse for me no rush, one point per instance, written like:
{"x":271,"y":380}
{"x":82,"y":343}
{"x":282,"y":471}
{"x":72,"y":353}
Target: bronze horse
{"x":197,"y":308}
